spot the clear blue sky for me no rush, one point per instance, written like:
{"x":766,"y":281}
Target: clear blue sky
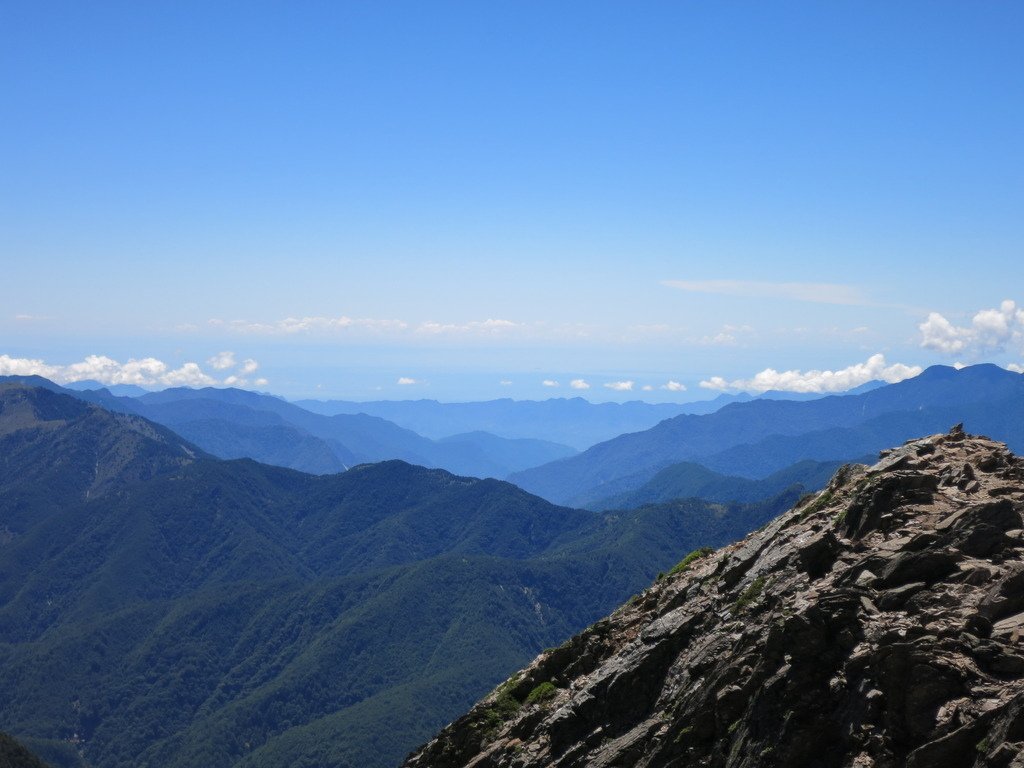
{"x":635,"y":192}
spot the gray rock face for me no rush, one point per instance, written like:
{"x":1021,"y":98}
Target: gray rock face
{"x":880,"y":623}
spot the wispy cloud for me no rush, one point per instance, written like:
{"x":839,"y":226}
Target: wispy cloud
{"x":550,"y":383}
{"x":345,"y":325}
{"x":579,"y":384}
{"x":222,"y":361}
{"x":874,"y":368}
{"x":674,"y":386}
{"x":819,"y":293}
{"x":406,"y":381}
{"x":620,"y":386}
{"x":727,"y":337}
{"x":488,"y":327}
{"x":991,"y":331}
{"x":308,"y":325}
{"x":25,"y":318}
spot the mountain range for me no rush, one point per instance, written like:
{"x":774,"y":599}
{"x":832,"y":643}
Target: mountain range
{"x":233,"y":423}
{"x":161,"y":607}
{"x":757,"y":438}
{"x":572,"y":421}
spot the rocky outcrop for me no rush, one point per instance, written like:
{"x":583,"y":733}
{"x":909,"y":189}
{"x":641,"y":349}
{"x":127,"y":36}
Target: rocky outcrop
{"x":878,"y":623}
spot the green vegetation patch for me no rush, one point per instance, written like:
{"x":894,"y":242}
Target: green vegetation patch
{"x":684,"y":733}
{"x":541,"y":693}
{"x":823,"y":500}
{"x":685,"y":563}
{"x":750,"y":594}
{"x":501,"y":710}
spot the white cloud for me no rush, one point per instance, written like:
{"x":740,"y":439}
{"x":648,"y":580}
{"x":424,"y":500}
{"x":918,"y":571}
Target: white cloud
{"x":23,"y":366}
{"x":188,"y":375}
{"x":222,"y":361}
{"x":674,"y":386}
{"x":25,"y":318}
{"x":647,"y":388}
{"x":875,"y":367}
{"x":505,"y":382}
{"x":990,"y":331}
{"x":727,"y":337}
{"x":406,"y":381}
{"x":147,"y":371}
{"x":620,"y":386}
{"x":1015,"y":368}
{"x":109,"y":371}
{"x":550,"y":383}
{"x":722,"y":339}
{"x":819,"y":293}
{"x":476,"y":327}
{"x":579,"y":384}
{"x":309,"y":325}
{"x":715,"y":382}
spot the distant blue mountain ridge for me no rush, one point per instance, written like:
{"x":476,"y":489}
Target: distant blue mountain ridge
{"x":757,"y":438}
{"x":233,"y":423}
{"x":571,"y":421}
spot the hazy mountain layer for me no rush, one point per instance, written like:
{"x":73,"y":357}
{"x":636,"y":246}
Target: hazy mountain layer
{"x":757,"y":438}
{"x":233,"y":423}
{"x":570,"y":421}
{"x":686,"y":480}
{"x":353,"y":438}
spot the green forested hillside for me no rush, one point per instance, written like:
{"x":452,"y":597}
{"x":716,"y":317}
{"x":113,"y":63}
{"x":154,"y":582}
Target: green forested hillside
{"x":162,"y":608}
{"x":689,"y":480}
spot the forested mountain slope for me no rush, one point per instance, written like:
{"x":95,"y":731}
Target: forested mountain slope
{"x":160,"y":607}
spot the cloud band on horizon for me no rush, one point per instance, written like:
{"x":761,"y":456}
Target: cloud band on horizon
{"x":143,"y":372}
{"x":875,"y":368}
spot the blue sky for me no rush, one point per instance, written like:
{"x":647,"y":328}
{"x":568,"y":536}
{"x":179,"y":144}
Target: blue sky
{"x":465,"y":194}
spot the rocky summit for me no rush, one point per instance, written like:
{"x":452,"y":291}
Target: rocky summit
{"x":877,"y":623}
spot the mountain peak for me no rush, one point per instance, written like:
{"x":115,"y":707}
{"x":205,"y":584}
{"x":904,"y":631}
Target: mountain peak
{"x":875,"y":624}
{"x":50,"y":440}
